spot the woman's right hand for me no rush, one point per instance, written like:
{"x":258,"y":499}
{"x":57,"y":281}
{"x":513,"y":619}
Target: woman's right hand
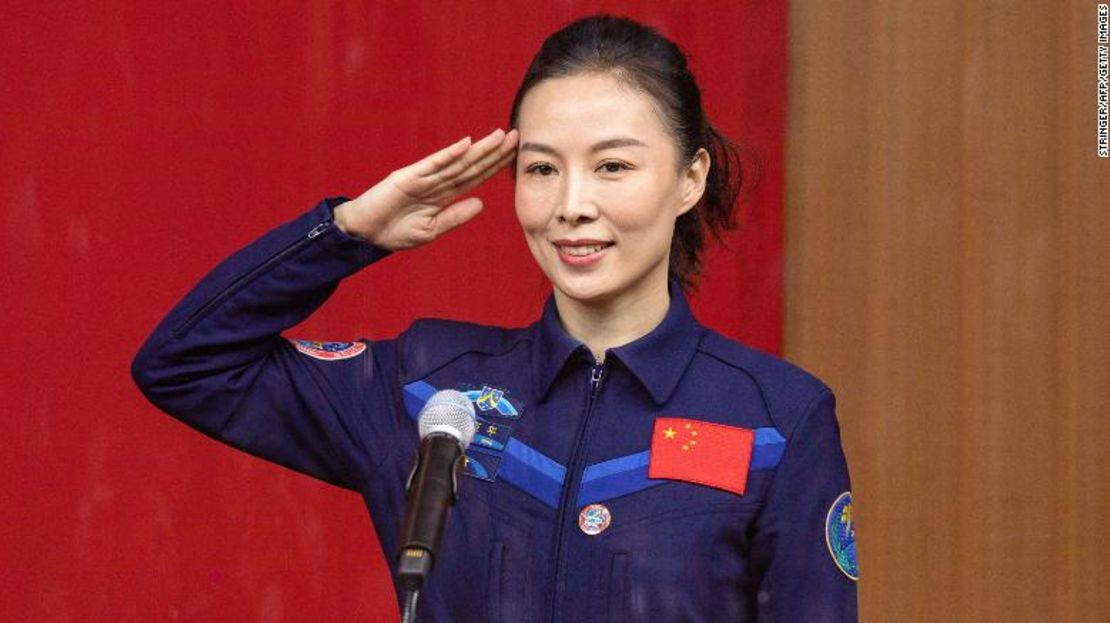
{"x":416,"y":204}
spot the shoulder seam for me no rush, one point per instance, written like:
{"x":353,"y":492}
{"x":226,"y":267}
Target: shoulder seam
{"x":806,"y":414}
{"x":755,"y":381}
{"x":396,"y":406}
{"x":807,"y":379}
{"x":511,"y":344}
{"x":498,"y":353}
{"x":808,"y":411}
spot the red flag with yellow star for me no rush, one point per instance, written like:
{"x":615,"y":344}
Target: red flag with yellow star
{"x":702,"y":452}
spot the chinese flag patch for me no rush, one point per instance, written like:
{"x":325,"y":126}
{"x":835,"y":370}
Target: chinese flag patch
{"x":701,"y":452}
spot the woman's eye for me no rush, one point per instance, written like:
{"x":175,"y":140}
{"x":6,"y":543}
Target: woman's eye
{"x":613,"y":166}
{"x":541,"y":169}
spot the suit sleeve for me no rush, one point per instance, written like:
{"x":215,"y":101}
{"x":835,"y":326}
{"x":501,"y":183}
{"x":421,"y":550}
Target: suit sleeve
{"x":803,"y":549}
{"x":218,"y":361}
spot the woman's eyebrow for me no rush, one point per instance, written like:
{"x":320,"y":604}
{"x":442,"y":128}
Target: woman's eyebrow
{"x":538,"y":147}
{"x":617,"y":142}
{"x":611,"y":143}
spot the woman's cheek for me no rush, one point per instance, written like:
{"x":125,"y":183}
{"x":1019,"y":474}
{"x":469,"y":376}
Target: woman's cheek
{"x":632,"y":202}
{"x":522,"y":206}
{"x":532,"y":207}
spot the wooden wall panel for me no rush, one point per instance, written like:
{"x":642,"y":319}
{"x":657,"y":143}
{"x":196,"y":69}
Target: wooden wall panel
{"x":947,"y":273}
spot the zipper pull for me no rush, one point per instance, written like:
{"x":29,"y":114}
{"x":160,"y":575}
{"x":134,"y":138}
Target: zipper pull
{"x":319,"y":229}
{"x":596,"y":373}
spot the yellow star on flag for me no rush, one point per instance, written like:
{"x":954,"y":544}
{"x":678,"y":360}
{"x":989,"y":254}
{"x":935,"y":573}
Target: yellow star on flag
{"x":669,"y":433}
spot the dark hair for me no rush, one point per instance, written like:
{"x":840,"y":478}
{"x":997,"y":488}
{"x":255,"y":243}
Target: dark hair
{"x":640,"y":57}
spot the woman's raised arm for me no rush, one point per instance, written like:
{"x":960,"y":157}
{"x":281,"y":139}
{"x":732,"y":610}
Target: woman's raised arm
{"x":218,"y":361}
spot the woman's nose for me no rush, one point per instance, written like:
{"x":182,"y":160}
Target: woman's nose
{"x":575,"y":201}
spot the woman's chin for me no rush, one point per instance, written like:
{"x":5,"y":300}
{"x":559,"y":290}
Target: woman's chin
{"x":584,"y":288}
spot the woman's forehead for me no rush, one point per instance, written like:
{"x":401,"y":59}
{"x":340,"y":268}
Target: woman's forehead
{"x":581,"y":111}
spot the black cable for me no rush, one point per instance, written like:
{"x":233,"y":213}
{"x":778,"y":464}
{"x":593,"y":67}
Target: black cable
{"x":408,"y":613}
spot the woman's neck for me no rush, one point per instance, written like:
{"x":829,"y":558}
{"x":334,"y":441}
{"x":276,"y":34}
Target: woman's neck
{"x":607,"y":324}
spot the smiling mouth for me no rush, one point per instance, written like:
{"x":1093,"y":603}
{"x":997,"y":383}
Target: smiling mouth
{"x":582,"y":250}
{"x":581,"y":253}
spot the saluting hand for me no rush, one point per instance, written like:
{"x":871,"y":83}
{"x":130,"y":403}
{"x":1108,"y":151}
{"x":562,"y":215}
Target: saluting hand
{"x":416,"y":204}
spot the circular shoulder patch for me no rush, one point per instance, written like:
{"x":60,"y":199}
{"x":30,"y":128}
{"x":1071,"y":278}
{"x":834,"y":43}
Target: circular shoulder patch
{"x":840,"y":535}
{"x":329,"y":351}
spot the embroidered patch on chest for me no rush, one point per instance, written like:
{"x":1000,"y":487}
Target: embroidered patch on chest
{"x":484,"y":456}
{"x":482,"y":465}
{"x":491,"y":435}
{"x":489,"y":400}
{"x":329,"y":351}
{"x":840,"y":535}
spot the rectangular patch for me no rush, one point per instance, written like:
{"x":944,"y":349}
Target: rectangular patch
{"x":491,"y":435}
{"x":705,"y":453}
{"x":482,"y":465}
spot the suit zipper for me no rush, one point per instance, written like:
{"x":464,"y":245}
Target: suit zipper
{"x":570,"y":486}
{"x":243,"y":279}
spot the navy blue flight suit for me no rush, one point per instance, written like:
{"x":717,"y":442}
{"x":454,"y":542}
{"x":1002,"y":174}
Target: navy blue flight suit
{"x":558,"y":434}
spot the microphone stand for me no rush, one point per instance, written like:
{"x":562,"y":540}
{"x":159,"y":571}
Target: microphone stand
{"x":408,"y":606}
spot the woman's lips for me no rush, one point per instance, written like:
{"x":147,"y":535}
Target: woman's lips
{"x":581,"y":252}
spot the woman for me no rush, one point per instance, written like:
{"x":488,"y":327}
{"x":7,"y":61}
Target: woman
{"x":630,"y":465}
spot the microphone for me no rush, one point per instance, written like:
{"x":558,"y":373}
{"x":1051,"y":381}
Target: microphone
{"x":446,"y":424}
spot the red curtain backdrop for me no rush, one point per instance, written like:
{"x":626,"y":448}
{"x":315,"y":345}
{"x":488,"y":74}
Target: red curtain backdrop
{"x":142,"y":142}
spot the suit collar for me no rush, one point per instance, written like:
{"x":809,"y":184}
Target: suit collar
{"x":658,"y":360}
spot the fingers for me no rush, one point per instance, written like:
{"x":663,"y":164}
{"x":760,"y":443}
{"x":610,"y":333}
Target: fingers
{"x":484,"y":167}
{"x":475,"y":156}
{"x":475,"y":178}
{"x":442,"y":173}
{"x":440,"y":159}
{"x":456,"y":214}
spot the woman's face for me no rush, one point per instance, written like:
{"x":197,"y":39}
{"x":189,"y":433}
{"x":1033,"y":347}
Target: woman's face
{"x":598,"y":187}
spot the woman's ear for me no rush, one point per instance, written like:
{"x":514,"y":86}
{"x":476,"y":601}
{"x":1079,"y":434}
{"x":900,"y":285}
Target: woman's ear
{"x":693,"y":181}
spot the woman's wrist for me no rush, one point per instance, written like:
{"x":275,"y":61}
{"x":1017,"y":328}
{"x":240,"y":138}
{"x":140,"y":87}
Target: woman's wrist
{"x":339,"y":215}
{"x":351,"y":218}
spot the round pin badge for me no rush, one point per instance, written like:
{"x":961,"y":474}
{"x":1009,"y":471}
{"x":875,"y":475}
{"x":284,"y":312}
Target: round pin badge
{"x":594,"y":519}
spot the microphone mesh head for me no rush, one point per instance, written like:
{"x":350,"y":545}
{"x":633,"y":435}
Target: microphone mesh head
{"x":450,"y":412}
